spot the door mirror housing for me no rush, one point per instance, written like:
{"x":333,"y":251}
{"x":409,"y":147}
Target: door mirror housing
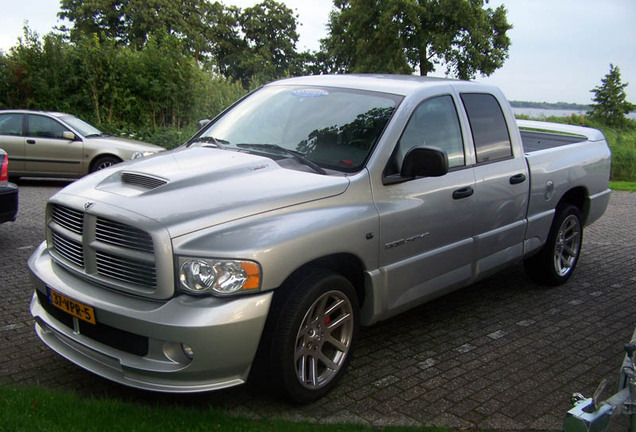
{"x":203,"y":123}
{"x":425,"y":162}
{"x":69,"y":135}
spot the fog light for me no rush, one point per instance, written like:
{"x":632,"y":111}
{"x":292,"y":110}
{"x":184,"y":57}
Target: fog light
{"x":188,"y":351}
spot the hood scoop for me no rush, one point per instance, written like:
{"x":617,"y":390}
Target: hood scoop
{"x":143,"y":180}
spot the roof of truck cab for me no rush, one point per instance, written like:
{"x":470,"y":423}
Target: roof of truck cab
{"x":396,"y":84}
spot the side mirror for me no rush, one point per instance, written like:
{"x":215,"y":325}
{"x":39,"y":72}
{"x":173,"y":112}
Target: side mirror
{"x":203,"y":123}
{"x":68,"y":135}
{"x":425,"y":162}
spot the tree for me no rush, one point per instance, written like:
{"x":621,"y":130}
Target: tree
{"x":35,"y":73}
{"x":132,"y":23}
{"x":253,"y":45}
{"x":610,"y":104}
{"x":266,"y":49}
{"x":400,"y":36}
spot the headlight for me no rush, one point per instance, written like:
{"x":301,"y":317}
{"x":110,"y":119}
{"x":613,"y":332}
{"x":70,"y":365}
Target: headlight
{"x":221,"y":277}
{"x":139,"y":154}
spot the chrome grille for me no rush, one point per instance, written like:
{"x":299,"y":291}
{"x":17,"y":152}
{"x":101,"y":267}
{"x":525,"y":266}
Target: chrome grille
{"x":68,"y":249}
{"x":70,"y":219}
{"x":142,"y":180}
{"x":126,"y":269}
{"x":118,"y":234}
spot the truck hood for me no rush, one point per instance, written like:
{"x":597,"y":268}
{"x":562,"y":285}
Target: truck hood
{"x":185,"y":190}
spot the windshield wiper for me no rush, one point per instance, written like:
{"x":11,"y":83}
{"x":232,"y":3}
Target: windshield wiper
{"x":217,"y":142}
{"x":295,"y":154}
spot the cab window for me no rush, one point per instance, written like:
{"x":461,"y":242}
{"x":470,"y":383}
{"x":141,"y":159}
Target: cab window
{"x":44,"y":127}
{"x":434,"y":123}
{"x":487,"y":123}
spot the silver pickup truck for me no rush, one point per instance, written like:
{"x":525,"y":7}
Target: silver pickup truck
{"x":310,"y":207}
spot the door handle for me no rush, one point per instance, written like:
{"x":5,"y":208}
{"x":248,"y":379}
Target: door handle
{"x":30,"y":141}
{"x":518,"y":178}
{"x":463,"y":193}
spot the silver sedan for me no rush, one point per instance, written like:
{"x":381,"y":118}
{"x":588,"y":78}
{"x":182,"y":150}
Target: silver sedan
{"x":61,"y":145}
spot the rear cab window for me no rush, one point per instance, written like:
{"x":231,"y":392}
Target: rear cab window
{"x":488,"y":126}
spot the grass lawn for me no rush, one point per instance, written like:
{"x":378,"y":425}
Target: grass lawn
{"x":623,"y":186}
{"x":32,"y":409}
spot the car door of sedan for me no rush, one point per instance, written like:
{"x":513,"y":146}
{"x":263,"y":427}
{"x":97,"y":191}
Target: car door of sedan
{"x":47,"y":151}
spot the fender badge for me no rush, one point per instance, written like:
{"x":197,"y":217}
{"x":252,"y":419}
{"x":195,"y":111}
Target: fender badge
{"x":88,"y":205}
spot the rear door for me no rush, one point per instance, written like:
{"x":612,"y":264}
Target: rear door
{"x":425,"y":223}
{"x":12,"y":139}
{"x":47,"y":151}
{"x":501,"y":185}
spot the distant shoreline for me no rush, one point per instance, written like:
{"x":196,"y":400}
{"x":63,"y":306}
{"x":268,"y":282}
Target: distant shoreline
{"x":551,"y":106}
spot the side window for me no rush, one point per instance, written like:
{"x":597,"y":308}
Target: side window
{"x":11,"y":124}
{"x":490,"y":132}
{"x":44,"y":127}
{"x":434,"y":123}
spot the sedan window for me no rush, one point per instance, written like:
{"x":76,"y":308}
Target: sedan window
{"x":44,"y":127}
{"x":11,"y":124}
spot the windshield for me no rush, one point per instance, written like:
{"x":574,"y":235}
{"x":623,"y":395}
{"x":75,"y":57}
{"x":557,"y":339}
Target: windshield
{"x":81,"y":126}
{"x":330,"y":127}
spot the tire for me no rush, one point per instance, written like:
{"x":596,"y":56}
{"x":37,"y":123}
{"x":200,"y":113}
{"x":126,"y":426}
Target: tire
{"x":556,"y":261}
{"x":103,"y":162}
{"x":311,"y":336}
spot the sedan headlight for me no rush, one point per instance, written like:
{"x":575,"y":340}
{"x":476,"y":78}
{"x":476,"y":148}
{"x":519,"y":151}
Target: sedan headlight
{"x":221,"y":277}
{"x":140,"y":154}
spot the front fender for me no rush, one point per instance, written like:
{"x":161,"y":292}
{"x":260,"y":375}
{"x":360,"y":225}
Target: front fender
{"x":283,"y":240}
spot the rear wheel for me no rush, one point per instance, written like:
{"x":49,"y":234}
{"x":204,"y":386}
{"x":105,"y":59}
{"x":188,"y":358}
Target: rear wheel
{"x":556,"y":261}
{"x":313,"y":335}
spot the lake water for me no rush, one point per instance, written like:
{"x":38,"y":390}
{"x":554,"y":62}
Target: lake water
{"x":542,"y":113}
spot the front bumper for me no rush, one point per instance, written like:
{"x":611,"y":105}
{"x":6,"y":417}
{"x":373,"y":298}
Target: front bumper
{"x":137,"y":342}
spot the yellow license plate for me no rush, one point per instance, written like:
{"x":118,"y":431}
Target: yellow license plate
{"x":77,"y":309}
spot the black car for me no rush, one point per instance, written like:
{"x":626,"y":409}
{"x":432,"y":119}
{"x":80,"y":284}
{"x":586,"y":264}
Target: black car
{"x":8,"y":192}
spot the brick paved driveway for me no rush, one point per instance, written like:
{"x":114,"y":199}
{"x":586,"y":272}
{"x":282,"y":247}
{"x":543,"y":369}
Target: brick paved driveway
{"x":502,"y":354}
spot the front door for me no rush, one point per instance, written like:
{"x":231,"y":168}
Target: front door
{"x":47,"y":151}
{"x":425,"y":223}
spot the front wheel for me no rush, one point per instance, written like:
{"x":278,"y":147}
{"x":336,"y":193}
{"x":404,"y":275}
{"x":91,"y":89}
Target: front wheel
{"x":556,"y":261}
{"x":313,"y":336}
{"x":104,"y":162}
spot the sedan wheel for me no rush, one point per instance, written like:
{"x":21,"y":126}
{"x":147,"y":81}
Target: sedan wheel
{"x":104,"y":162}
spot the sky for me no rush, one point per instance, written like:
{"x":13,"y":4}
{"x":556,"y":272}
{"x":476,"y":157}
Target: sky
{"x":561,"y":49}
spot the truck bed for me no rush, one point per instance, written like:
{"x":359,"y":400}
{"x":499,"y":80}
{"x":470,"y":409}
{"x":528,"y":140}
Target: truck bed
{"x":563,"y":158}
{"x":538,"y":135}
